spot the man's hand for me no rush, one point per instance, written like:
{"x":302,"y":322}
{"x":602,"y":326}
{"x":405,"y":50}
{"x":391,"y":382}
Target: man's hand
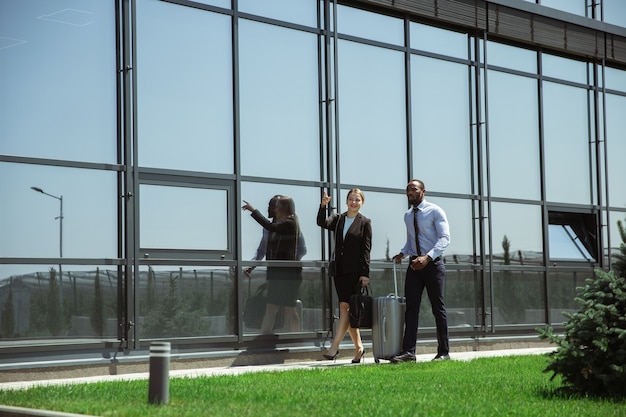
{"x":420,"y":262}
{"x":398,"y":258}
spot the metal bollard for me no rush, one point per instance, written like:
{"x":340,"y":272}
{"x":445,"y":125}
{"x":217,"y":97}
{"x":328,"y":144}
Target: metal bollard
{"x":158,"y":391}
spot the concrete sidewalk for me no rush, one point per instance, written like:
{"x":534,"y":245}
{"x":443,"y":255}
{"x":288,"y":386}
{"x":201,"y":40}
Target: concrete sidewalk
{"x":236,"y":370}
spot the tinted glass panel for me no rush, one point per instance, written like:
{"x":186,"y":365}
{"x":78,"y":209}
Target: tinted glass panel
{"x":279,"y":102}
{"x":616,"y":126}
{"x":184,"y":99}
{"x":440,"y":41}
{"x":513,"y":136}
{"x":82,"y":303}
{"x":370,"y":25}
{"x":372,"y":132}
{"x":516,"y":234}
{"x":615,"y":12}
{"x":562,"y":289}
{"x":519,"y":298}
{"x":615,"y":79}
{"x":297,"y":11}
{"x":186,"y":301}
{"x":567,"y":174}
{"x":183,"y":218}
{"x":32,"y":219}
{"x":440,"y":118}
{"x":511,"y":57}
{"x":57,"y":71}
{"x":567,"y":69}
{"x":577,"y":7}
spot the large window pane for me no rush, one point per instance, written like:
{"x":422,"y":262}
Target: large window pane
{"x":577,"y":7}
{"x":440,"y":120}
{"x":615,"y":12}
{"x":307,"y":201}
{"x":303,"y":12}
{"x":516,"y":234}
{"x":82,"y":303}
{"x":189,"y":301}
{"x":459,"y":213}
{"x":616,"y":144}
{"x":513,"y":136}
{"x":568,"y":174}
{"x":184,"y":88}
{"x":30,"y":224}
{"x":567,"y":69}
{"x":58,"y":80}
{"x":562,"y":289}
{"x":615,"y":79}
{"x":437,"y":40}
{"x":370,"y":25}
{"x":372,"y":122}
{"x":183,"y":218}
{"x":511,"y":57}
{"x":519,"y":298}
{"x":279,"y":102}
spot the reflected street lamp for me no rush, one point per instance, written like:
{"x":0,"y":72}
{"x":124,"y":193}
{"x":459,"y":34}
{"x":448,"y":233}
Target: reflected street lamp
{"x":60,"y":218}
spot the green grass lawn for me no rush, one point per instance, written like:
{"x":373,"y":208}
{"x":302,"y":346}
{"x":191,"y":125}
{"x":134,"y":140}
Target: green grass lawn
{"x":507,"y":386}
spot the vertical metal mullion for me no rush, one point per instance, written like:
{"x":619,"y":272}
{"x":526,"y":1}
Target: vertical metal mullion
{"x":408,"y":102}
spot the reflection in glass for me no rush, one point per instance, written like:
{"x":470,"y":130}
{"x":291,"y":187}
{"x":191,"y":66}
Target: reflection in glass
{"x":616,"y":238}
{"x":184,"y":100}
{"x":577,"y":7}
{"x":517,"y":234}
{"x":183,"y":218}
{"x":615,"y":12}
{"x":58,"y":80}
{"x":368,"y":25}
{"x":511,"y":57}
{"x":279,"y":102}
{"x":81,"y":304}
{"x":567,"y":173}
{"x":562,"y":289}
{"x":437,"y":40}
{"x":31,"y":220}
{"x":186,"y":301}
{"x":615,"y":127}
{"x":519,"y":298}
{"x":307,"y":201}
{"x":459,"y":213}
{"x":372,"y":127}
{"x":615,"y":79}
{"x":302,"y":12}
{"x":563,"y":68}
{"x":564,"y":244}
{"x":513,"y":136}
{"x":440,"y":118}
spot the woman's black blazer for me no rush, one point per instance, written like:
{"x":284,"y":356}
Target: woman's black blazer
{"x":352,"y":253}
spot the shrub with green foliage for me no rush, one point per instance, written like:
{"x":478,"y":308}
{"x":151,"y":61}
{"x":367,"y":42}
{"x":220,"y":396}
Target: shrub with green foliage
{"x":591,"y":357}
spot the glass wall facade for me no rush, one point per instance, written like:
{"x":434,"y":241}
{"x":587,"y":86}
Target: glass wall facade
{"x":132,"y":132}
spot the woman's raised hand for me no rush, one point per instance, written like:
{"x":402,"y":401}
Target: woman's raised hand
{"x":325,"y":199}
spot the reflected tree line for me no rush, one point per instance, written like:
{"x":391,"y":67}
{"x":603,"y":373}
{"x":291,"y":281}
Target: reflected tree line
{"x":186,"y":303}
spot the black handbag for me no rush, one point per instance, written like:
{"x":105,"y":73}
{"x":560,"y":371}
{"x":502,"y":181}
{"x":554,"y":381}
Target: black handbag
{"x":361,"y":309}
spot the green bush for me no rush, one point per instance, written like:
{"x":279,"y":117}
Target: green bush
{"x":591,"y":357}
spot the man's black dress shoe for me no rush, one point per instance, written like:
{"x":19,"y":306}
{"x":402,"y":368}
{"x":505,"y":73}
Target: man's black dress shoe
{"x":441,"y":358}
{"x":403,"y":357}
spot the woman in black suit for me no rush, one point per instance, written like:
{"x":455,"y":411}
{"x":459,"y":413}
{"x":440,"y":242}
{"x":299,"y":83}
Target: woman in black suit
{"x":353,"y":242}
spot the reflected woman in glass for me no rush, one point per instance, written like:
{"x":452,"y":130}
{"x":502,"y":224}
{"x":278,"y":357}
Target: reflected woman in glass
{"x":353,"y":242}
{"x":283,"y":283}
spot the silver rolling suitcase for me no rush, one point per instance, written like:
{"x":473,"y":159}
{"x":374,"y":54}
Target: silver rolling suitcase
{"x":388,"y":323}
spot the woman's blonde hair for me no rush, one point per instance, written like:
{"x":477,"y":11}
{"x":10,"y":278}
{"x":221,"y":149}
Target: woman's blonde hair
{"x":356,"y":191}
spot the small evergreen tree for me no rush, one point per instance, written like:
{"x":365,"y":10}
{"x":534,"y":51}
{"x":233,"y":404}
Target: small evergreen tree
{"x":619,"y":266}
{"x":591,"y":357}
{"x":7,"y":327}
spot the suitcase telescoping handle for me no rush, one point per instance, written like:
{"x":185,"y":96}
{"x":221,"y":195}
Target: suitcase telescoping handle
{"x":395,"y":279}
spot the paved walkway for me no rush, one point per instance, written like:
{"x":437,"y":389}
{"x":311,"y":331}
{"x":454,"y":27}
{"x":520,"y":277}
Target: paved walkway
{"x":236,"y":370}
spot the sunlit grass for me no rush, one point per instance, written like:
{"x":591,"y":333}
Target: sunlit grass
{"x":486,"y":387}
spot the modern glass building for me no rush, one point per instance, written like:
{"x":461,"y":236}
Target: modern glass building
{"x":131,"y":131}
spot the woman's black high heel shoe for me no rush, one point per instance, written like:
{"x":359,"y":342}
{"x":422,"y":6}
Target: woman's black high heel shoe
{"x":330,"y":357}
{"x":358,"y":359}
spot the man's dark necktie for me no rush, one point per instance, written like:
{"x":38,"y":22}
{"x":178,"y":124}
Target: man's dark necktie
{"x":417,"y":240}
